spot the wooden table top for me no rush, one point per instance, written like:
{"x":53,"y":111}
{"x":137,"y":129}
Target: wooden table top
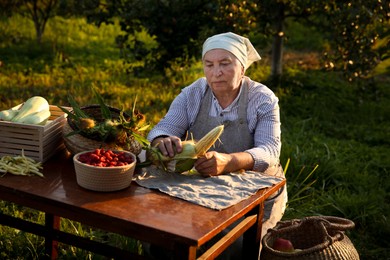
{"x":137,"y":212}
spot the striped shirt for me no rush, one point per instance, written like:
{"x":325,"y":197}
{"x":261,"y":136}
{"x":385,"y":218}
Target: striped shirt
{"x":262,"y":116}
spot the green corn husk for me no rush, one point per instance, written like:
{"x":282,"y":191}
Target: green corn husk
{"x":184,"y":165}
{"x":192,"y":150}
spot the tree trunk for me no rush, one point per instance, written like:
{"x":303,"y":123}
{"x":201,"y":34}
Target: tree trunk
{"x":39,"y":29}
{"x":277,"y":48}
{"x":40,"y":12}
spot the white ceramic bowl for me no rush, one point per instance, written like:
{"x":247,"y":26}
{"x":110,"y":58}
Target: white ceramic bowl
{"x":104,"y":178}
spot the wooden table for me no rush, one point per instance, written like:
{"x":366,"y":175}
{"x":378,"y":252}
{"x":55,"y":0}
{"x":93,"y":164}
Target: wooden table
{"x":136,"y":212}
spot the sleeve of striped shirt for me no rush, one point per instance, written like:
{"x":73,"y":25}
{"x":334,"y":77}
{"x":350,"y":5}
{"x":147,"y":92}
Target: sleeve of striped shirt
{"x":264,"y":122}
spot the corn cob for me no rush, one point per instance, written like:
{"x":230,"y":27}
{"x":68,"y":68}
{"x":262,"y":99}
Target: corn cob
{"x":191,"y":151}
{"x":204,"y":144}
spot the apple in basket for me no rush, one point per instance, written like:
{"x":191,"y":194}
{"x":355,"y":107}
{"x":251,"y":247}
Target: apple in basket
{"x":104,"y":170}
{"x":283,"y":245}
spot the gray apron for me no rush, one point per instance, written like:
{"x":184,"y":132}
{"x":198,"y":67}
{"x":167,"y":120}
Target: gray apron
{"x":236,"y":137}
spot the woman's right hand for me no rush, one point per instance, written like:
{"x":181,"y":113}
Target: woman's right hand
{"x":169,"y":145}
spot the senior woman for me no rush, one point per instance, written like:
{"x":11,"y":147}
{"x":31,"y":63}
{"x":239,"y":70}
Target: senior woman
{"x":248,"y":109}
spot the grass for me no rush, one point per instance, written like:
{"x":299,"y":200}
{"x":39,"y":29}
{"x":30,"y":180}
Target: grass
{"x":335,"y":133}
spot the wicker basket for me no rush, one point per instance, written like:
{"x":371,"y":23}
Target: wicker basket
{"x":317,"y":238}
{"x":78,"y":142}
{"x":104,"y":178}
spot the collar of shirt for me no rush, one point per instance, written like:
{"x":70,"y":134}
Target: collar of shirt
{"x":229,"y":113}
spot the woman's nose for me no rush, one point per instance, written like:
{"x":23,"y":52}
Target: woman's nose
{"x":217,"y":71}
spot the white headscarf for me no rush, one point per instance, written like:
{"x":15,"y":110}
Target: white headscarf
{"x":238,"y":45}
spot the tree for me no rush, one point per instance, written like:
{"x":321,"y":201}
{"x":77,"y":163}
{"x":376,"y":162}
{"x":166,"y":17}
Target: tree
{"x":272,"y":16}
{"x":8,"y":7}
{"x":355,"y":30}
{"x":78,"y":8}
{"x":352,"y":29}
{"x":267,"y":17}
{"x":179,"y":28}
{"x":175,"y":25}
{"x":39,"y":11}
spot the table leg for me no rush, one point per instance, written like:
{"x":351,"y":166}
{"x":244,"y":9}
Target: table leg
{"x":251,"y":240}
{"x":51,"y":244}
{"x":182,"y":252}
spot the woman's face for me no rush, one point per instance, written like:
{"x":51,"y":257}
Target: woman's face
{"x":223,"y":70}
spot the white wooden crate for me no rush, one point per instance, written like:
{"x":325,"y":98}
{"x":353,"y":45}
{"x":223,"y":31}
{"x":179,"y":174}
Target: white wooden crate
{"x":39,"y":142}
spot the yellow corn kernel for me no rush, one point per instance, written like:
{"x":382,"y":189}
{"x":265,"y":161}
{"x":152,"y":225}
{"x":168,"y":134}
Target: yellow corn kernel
{"x":204,"y":144}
